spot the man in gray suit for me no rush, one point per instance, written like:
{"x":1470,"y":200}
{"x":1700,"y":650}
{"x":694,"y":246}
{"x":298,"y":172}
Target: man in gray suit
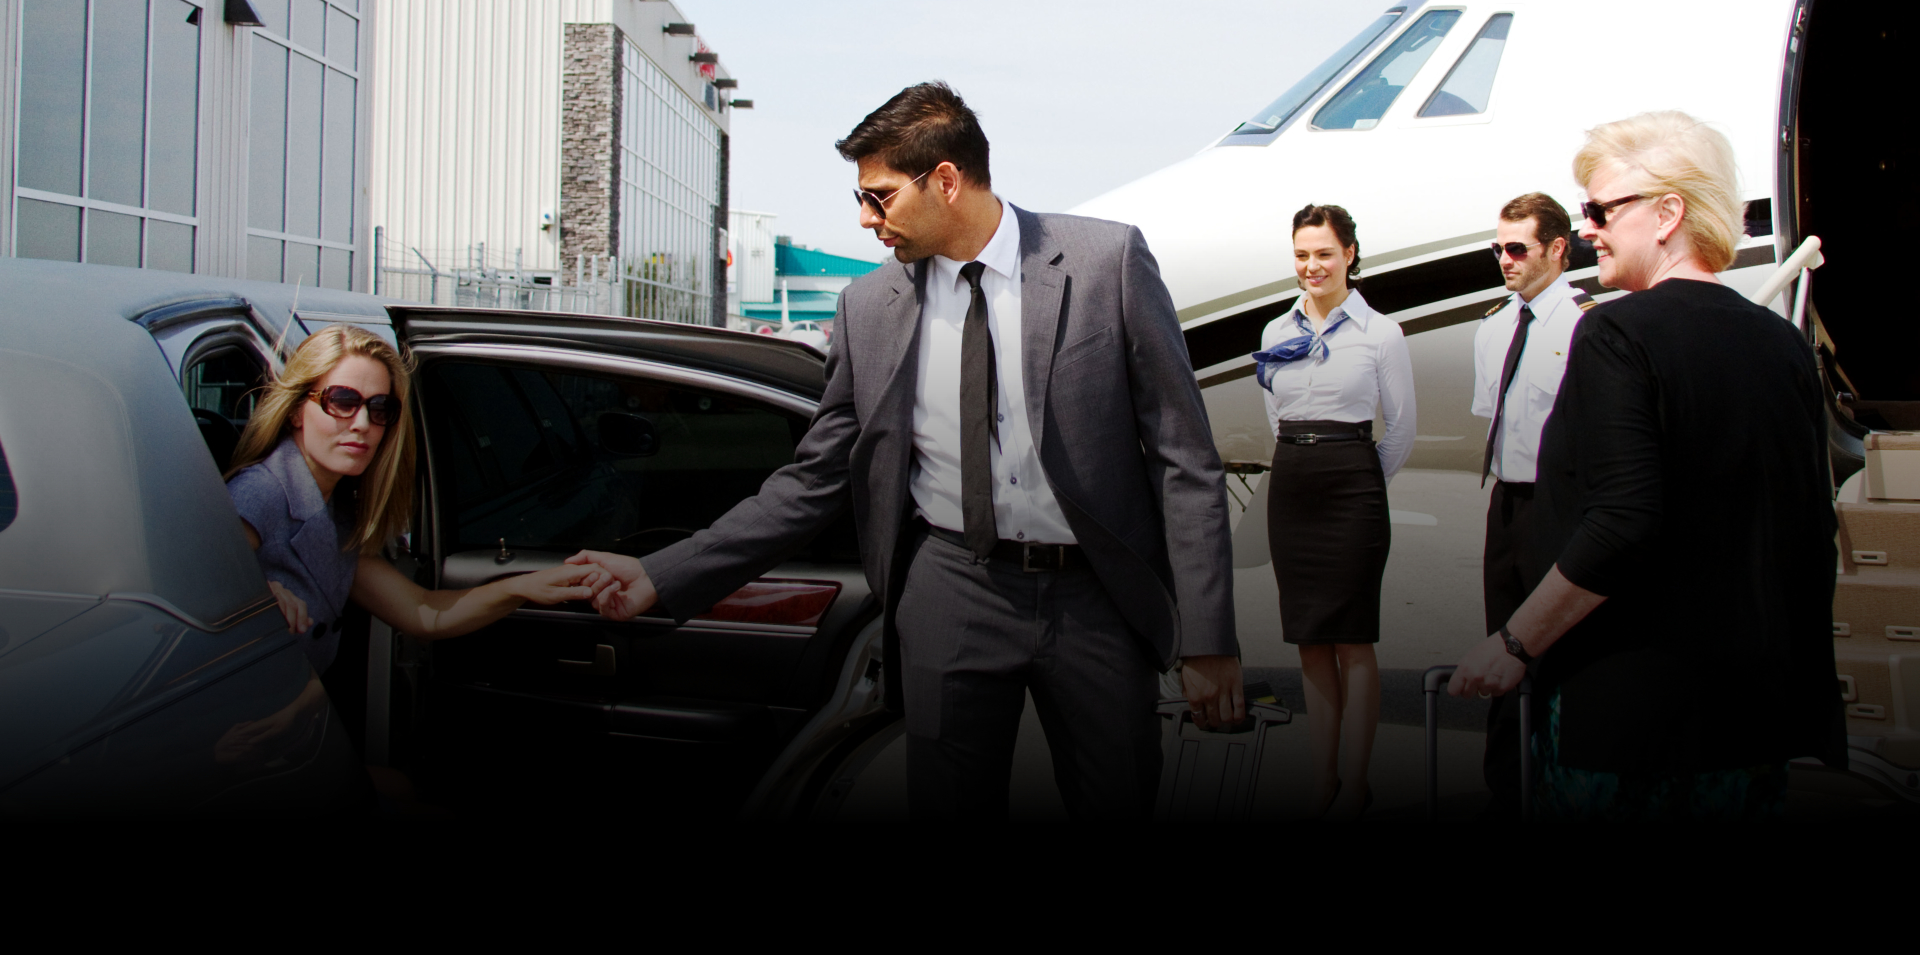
{"x":1011,"y":414}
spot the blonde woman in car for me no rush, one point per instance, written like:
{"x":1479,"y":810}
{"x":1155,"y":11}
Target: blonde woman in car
{"x":323,"y":478}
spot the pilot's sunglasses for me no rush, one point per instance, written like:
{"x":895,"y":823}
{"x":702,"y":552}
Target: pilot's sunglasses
{"x":341,"y":401}
{"x":876,"y":203}
{"x":1596,"y":212}
{"x":1514,"y":250}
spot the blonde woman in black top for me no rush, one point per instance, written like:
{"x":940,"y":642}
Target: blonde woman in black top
{"x":1673,"y":686}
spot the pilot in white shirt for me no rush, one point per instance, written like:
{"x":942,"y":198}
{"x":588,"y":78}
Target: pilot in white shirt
{"x":1536,"y":381}
{"x":1534,"y":236}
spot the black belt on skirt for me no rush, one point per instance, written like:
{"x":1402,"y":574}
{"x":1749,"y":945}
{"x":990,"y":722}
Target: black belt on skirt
{"x":1032,"y":558}
{"x":1314,"y":432}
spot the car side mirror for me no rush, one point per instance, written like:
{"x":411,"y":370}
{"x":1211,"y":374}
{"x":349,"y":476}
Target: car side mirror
{"x":628,"y":435}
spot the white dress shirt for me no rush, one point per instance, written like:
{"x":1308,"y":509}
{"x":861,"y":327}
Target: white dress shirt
{"x":1024,"y":508}
{"x":1536,"y":382}
{"x":1366,"y":366}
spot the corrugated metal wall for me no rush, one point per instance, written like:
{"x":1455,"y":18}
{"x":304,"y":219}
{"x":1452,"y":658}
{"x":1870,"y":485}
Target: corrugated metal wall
{"x":466,"y":121}
{"x":466,"y":129}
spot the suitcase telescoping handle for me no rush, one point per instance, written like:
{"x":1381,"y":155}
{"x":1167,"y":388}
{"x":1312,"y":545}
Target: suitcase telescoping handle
{"x":1437,"y":677}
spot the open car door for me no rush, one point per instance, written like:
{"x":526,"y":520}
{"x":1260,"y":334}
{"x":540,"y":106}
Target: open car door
{"x":545,"y":434}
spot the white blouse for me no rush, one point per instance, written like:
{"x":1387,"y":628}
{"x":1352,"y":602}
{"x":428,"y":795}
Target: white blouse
{"x":1366,"y":364}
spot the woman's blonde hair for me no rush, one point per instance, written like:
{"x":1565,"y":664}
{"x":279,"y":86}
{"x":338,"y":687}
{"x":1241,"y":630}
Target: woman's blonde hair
{"x":382,"y":495}
{"x":1671,"y":152}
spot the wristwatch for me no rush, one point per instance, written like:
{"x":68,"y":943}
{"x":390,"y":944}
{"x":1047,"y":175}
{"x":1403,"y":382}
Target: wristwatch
{"x":1514,"y":647}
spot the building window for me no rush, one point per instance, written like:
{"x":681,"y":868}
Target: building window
{"x":300,"y":175}
{"x":108,"y":131}
{"x":669,"y":195}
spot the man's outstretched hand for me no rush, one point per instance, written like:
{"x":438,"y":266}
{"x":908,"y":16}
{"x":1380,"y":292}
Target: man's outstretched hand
{"x":621,"y":591}
{"x":1213,"y":690}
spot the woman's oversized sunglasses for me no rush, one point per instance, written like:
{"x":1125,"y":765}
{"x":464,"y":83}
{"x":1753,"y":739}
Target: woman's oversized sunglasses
{"x":1596,"y":212}
{"x":341,"y":401}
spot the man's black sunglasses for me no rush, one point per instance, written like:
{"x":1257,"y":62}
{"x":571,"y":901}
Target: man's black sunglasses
{"x":876,"y":203}
{"x":1514,"y":250}
{"x":1596,"y":212}
{"x":341,"y":401}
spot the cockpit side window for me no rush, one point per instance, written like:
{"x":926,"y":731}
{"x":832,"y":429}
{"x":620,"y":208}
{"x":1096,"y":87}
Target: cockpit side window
{"x":1299,"y":94}
{"x":1469,"y":85}
{"x":9,"y":501}
{"x":1366,"y":98}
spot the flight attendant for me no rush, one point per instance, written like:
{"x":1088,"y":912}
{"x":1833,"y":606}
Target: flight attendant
{"x":1326,"y":367}
{"x":1519,"y":355}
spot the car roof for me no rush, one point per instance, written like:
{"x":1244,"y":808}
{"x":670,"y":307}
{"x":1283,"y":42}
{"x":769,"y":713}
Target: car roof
{"x":782,"y":363}
{"x":116,"y":491}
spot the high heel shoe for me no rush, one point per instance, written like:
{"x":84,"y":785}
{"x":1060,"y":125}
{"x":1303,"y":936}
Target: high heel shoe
{"x":1331,"y":798}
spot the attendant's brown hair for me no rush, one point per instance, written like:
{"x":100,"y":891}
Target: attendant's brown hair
{"x":1341,"y":223}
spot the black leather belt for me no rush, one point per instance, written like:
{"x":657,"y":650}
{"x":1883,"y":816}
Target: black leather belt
{"x":1032,"y":558}
{"x":1311,"y":438}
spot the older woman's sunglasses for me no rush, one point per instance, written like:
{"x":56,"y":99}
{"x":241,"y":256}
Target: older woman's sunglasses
{"x":876,"y":203}
{"x":341,"y":401}
{"x":1596,"y":212}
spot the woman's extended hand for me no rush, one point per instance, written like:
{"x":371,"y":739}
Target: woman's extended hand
{"x":1488,"y":669}
{"x":621,"y":588}
{"x":291,"y":607}
{"x":555,"y":584}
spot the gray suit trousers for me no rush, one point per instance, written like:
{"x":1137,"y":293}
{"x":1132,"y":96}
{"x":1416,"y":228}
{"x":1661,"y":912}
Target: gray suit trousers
{"x":974,"y":638}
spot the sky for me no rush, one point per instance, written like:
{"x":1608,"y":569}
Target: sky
{"x":1076,"y":97}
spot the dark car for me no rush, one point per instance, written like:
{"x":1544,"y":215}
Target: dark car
{"x":140,"y":649}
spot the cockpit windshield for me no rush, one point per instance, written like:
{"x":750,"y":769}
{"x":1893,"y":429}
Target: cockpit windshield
{"x":1299,"y":94}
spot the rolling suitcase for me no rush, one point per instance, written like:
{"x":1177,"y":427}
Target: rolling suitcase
{"x":1209,"y":776}
{"x":1437,"y":677}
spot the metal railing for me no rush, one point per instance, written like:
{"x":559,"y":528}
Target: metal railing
{"x":468,"y":278}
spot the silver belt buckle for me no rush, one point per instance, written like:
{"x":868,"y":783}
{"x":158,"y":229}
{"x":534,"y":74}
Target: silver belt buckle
{"x":1306,"y":439}
{"x":1028,"y":550}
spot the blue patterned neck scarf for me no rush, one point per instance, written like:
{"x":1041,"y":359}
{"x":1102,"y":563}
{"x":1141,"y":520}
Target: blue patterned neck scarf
{"x":1294,"y":349}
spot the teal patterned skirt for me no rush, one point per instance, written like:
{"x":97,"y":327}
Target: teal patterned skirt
{"x":1566,"y":794}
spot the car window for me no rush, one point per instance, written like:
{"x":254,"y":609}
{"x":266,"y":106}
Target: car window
{"x":225,"y":383}
{"x":222,"y":387}
{"x":1469,"y":85}
{"x":9,"y":501}
{"x":1366,"y":97}
{"x":555,"y":460}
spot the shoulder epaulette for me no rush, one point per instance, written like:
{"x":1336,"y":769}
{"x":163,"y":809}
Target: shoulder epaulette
{"x":1497,"y":306}
{"x":1583,"y":300}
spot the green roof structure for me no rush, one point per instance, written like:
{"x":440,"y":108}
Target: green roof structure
{"x":794,"y":261}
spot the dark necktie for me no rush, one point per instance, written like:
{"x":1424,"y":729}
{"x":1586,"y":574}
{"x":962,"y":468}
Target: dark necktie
{"x":978,"y":429}
{"x":1506,"y":381}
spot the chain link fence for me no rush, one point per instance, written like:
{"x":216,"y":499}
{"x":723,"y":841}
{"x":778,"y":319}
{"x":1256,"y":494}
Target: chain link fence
{"x":477,"y":277}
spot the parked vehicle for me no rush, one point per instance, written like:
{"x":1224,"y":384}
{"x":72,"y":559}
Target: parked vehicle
{"x":136,"y":630}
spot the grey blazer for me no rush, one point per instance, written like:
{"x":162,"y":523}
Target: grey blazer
{"x":1122,"y":433}
{"x":300,"y":542}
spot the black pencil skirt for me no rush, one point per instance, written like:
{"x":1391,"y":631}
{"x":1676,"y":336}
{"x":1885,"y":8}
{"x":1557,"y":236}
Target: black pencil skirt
{"x":1328,"y":530}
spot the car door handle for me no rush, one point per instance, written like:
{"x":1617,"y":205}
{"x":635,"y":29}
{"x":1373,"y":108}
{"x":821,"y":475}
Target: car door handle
{"x":602,"y":663}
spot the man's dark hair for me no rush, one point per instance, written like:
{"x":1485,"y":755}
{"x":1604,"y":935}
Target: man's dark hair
{"x":921,"y":127}
{"x":1341,"y":223}
{"x":1550,"y":221}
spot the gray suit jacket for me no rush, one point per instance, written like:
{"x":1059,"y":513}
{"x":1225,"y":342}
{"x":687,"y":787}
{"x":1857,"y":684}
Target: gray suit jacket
{"x":1122,"y":434}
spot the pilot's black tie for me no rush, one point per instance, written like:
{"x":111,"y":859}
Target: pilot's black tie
{"x":1506,"y":381}
{"x":978,"y":391}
